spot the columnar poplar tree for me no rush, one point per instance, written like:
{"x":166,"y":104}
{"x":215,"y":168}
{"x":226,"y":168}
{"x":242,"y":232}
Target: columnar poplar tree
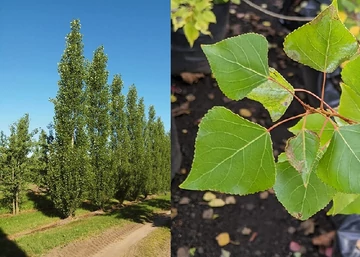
{"x":40,"y":160}
{"x":139,"y":144}
{"x":135,"y":128}
{"x":119,"y":140}
{"x":98,"y":127}
{"x":163,"y":152}
{"x":68,"y":160}
{"x":150,"y":155}
{"x":16,"y":163}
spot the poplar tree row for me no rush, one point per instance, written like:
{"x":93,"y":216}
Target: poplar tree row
{"x":100,"y":146}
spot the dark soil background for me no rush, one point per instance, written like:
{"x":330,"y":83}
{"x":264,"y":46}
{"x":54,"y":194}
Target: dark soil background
{"x":272,"y":228}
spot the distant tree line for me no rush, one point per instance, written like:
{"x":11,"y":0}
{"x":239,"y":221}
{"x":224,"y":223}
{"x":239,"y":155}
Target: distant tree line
{"x":99,"y":146}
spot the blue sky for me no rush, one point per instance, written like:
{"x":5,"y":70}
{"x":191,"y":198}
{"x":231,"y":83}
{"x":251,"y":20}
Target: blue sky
{"x":135,"y":35}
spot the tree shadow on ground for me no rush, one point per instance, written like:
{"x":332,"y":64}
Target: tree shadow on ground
{"x":143,"y":212}
{"x":159,"y":203}
{"x":43,"y":204}
{"x":9,"y":248}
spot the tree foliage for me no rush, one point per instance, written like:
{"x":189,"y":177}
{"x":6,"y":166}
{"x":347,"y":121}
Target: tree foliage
{"x":321,"y":162}
{"x":68,"y":159}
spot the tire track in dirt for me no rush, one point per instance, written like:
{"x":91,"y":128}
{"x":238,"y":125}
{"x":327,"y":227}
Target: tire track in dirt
{"x":90,"y":247}
{"x":121,"y":247}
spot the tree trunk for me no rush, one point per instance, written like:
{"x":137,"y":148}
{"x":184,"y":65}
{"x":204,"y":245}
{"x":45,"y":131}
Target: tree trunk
{"x":17,"y":203}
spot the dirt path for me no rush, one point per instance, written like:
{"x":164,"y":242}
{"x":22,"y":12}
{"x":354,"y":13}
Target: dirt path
{"x":121,"y":247}
{"x":110,"y":243}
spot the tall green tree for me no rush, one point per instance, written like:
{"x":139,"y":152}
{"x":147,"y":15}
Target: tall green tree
{"x":40,"y":160}
{"x":120,"y":145}
{"x":67,"y":175}
{"x":16,"y":163}
{"x":135,"y":114}
{"x":150,"y":154}
{"x":163,"y":157}
{"x":98,"y":127}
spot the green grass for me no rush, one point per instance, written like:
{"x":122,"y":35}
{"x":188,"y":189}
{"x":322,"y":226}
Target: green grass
{"x":59,"y":236}
{"x":62,"y":235}
{"x":157,"y":243}
{"x":14,"y":224}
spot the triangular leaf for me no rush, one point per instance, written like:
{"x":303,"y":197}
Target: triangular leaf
{"x":300,"y":201}
{"x":345,"y":204}
{"x":275,"y":98}
{"x":323,"y":43}
{"x":239,"y":64}
{"x":350,"y":74}
{"x":301,"y":151}
{"x":349,"y":103}
{"x":315,"y":123}
{"x":232,"y":155}
{"x":340,"y":165}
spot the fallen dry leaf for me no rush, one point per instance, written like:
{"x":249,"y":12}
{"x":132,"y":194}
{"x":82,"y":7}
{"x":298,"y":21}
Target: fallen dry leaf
{"x":230,"y":200}
{"x":211,"y":96}
{"x":184,"y":200}
{"x":190,"y":97}
{"x":208,"y":196}
{"x":173,"y":213}
{"x":324,"y":239}
{"x":253,"y":236}
{"x":208,"y":214}
{"x":245,"y":112}
{"x":264,"y":195}
{"x":225,"y":253}
{"x":308,"y":227}
{"x":294,"y":246}
{"x":182,"y":109}
{"x":329,"y":252}
{"x":191,"y":78}
{"x":355,"y":30}
{"x":223,"y":239}
{"x":266,"y":23}
{"x":246,"y":231}
{"x":216,"y":203}
{"x":183,"y":171}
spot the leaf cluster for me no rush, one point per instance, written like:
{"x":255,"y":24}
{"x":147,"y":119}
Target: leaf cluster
{"x":321,"y":161}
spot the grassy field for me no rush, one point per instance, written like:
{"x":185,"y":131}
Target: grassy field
{"x":76,"y":230}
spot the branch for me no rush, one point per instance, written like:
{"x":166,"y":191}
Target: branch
{"x":276,"y":15}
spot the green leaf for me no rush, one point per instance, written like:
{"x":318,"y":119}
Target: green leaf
{"x":274,"y":97}
{"x":349,"y":103}
{"x":232,"y":155}
{"x":315,"y":123}
{"x":239,"y":64}
{"x":191,"y":33}
{"x":282,"y":157}
{"x":323,"y":43}
{"x":340,"y":165}
{"x":345,"y":204}
{"x":209,"y":16}
{"x":300,"y":201}
{"x":350,"y":74}
{"x":301,"y":151}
